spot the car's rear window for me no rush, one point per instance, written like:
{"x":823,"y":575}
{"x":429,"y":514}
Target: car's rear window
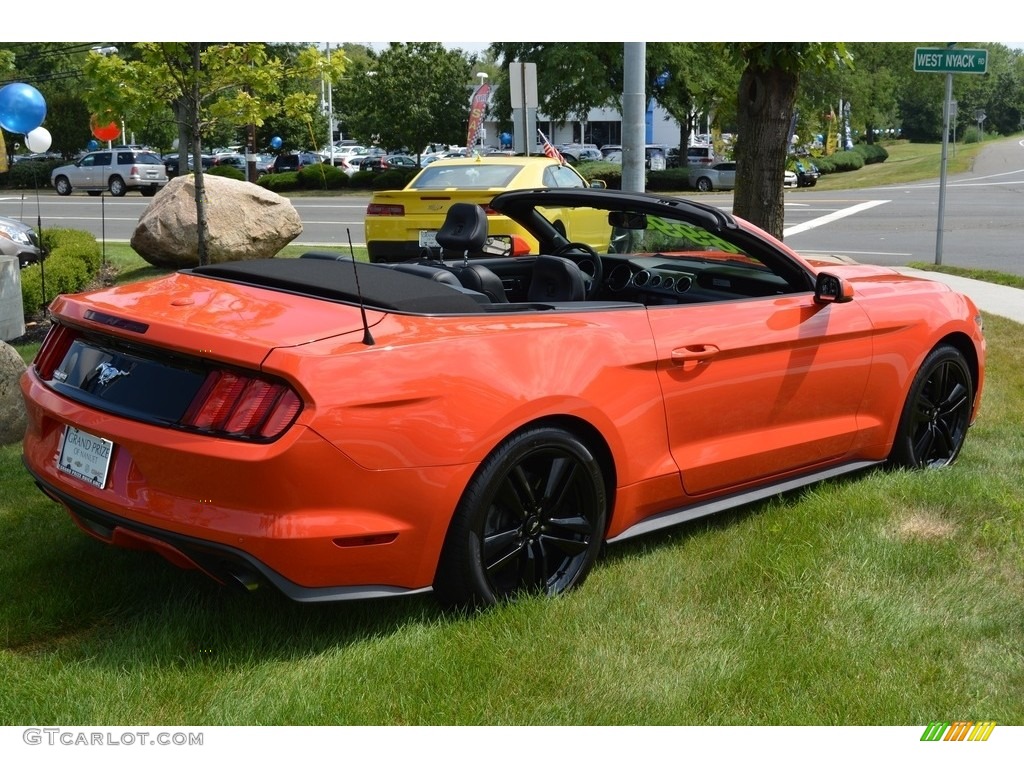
{"x":147,"y":158}
{"x":475,"y":176}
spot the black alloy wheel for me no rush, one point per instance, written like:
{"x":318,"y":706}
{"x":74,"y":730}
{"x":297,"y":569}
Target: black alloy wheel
{"x":531,"y":521}
{"x":937,"y":412}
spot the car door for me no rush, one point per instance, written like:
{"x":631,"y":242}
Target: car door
{"x":95,"y":173}
{"x":755,"y":388}
{"x":759,"y":380}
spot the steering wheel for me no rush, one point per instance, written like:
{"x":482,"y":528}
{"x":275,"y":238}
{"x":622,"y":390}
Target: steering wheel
{"x":589,"y":264}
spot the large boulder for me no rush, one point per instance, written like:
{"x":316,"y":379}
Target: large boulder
{"x":243,"y":221}
{"x":13,"y":419}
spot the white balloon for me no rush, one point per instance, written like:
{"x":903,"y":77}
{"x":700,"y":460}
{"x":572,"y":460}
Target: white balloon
{"x":38,"y":139}
{"x":174,"y":145}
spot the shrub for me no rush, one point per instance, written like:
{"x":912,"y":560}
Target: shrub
{"x":280,"y":182}
{"x":609,"y":173}
{"x":63,"y":275}
{"x":872,"y":153}
{"x":227,"y":171}
{"x":315,"y":176}
{"x":30,"y":174}
{"x":362,"y":179}
{"x":74,"y":259}
{"x":74,"y":243}
{"x":669,"y":180}
{"x":394,"y":179}
{"x":847,"y":160}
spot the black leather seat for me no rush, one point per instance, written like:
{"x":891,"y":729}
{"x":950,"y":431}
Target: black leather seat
{"x":435,"y":274}
{"x":556,"y":279}
{"x":477,"y":277}
{"x":464,"y":230}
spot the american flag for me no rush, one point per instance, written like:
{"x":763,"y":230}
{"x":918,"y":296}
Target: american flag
{"x":549,"y":148}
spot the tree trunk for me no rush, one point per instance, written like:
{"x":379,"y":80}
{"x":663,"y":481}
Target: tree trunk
{"x":764,"y":111}
{"x":197,"y":152}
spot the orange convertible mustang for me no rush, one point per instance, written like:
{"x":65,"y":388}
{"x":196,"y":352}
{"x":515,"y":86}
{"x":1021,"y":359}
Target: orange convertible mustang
{"x":481,"y":426}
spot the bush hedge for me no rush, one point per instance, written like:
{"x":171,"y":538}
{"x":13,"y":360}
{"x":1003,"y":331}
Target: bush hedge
{"x":29,"y":174}
{"x":73,"y":261}
{"x":227,"y":171}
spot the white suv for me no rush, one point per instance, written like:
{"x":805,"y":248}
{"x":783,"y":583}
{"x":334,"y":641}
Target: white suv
{"x":118,"y":169}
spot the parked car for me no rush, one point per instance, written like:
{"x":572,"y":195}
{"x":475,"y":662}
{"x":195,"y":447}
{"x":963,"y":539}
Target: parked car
{"x":19,"y":239}
{"x":700,"y":154}
{"x":482,"y":427}
{"x":716,"y":176}
{"x":654,"y":156}
{"x":171,"y":162}
{"x":790,"y":180}
{"x":402,"y":224}
{"x":118,"y":170}
{"x":295,"y":161}
{"x":806,"y":173}
{"x":380,"y":163}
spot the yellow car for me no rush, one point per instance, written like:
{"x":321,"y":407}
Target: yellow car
{"x":401,"y":225}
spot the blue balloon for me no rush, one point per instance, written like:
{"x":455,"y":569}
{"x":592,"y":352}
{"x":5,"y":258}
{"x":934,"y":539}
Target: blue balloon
{"x":93,"y":145}
{"x":22,"y":108}
{"x":276,"y":142}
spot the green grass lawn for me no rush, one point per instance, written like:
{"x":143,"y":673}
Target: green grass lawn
{"x":906,"y":162}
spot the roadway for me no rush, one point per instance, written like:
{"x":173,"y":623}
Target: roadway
{"x":892,"y":225}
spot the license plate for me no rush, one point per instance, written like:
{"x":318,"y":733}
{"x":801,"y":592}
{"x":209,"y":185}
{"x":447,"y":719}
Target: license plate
{"x":85,"y":456}
{"x":428,"y":239}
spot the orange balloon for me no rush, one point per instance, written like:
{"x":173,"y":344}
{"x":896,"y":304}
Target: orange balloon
{"x":104,"y":132}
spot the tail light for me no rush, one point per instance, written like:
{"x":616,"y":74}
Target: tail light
{"x":382,"y":209}
{"x":235,"y":405}
{"x":51,"y":353}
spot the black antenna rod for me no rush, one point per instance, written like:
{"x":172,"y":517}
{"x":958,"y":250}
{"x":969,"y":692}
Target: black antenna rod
{"x":367,"y":336}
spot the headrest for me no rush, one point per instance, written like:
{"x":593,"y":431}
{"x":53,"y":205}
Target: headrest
{"x":464,"y":228}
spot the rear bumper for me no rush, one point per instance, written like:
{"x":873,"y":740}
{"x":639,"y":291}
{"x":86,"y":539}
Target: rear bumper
{"x":224,"y":564}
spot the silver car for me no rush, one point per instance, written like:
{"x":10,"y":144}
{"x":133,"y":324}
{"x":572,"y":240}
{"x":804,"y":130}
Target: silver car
{"x":19,"y":239}
{"x":714,"y":176}
{"x":118,"y":170}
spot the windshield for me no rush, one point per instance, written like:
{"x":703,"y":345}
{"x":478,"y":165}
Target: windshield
{"x":476,"y":176}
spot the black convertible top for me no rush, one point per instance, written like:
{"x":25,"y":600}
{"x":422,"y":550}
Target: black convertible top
{"x":335,"y":279}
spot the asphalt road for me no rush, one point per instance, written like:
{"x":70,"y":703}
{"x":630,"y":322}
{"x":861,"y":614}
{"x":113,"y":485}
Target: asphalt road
{"x":893,"y":225}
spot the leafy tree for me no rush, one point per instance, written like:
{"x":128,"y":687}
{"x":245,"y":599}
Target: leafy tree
{"x":764,"y":111}
{"x":207,"y":85}
{"x":407,"y":96}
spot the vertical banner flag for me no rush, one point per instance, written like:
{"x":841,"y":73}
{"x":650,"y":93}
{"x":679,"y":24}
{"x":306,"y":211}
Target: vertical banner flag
{"x":477,"y":111}
{"x":549,"y":148}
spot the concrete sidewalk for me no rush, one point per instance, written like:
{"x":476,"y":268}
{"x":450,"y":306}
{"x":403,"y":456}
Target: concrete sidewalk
{"x":995,"y":299}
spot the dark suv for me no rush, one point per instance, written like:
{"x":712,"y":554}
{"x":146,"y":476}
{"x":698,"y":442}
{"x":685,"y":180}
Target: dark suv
{"x":119,"y":170}
{"x":294,"y":161}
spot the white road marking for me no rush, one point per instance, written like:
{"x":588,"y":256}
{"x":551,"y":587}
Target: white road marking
{"x":834,"y":216}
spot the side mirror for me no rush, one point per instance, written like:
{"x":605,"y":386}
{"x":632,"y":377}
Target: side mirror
{"x":598,"y":184}
{"x":829,"y":289}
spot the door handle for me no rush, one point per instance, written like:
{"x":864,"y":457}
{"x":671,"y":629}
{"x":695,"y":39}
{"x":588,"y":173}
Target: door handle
{"x":693,"y":353}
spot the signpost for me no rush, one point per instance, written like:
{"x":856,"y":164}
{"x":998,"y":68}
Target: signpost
{"x":951,"y":61}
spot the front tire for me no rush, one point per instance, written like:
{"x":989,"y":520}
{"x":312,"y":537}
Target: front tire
{"x":62,"y":185}
{"x":531,"y":521}
{"x":703,"y":184}
{"x":935,"y":417}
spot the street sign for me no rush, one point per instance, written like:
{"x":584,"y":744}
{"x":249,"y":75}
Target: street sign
{"x":957,"y":61}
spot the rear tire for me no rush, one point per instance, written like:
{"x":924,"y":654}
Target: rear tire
{"x":935,"y":417}
{"x":117,"y":186}
{"x":531,"y":521}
